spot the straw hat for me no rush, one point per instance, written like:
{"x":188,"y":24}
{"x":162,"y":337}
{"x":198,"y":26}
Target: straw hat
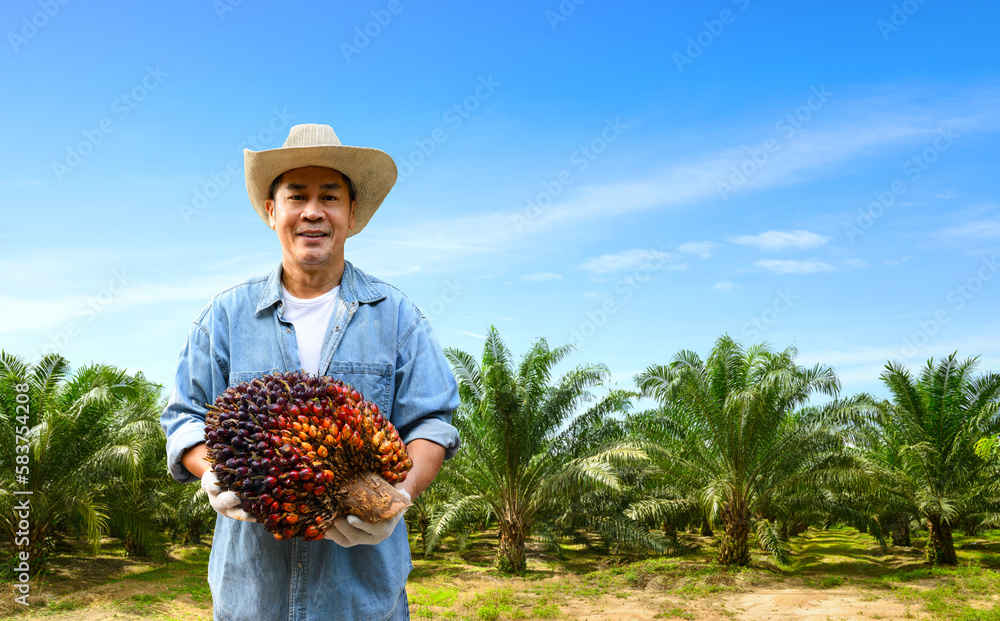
{"x":372,"y":171}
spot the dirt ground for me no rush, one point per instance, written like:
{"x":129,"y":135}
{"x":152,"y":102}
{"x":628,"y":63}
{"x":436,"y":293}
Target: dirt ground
{"x":835,"y":575}
{"x":121,"y":600}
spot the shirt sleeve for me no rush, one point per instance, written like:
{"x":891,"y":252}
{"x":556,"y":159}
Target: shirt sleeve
{"x":426,"y":392}
{"x":199,"y":374}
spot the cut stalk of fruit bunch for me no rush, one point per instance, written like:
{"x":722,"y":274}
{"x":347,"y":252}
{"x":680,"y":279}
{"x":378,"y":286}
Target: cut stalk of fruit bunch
{"x":303,"y":450}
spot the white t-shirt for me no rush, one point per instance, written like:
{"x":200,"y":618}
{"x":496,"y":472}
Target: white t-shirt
{"x":311,"y":318}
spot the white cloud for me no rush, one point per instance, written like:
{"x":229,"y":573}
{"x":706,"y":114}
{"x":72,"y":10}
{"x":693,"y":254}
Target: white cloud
{"x":794,"y":267}
{"x":725,"y":285}
{"x":980,"y":229}
{"x":782,"y":240}
{"x":857,"y":264}
{"x":872,"y":125}
{"x":702,"y":249}
{"x":631,"y":260}
{"x":540,"y":277}
{"x":898,"y":262}
{"x":946,"y":194}
{"x":74,"y":309}
{"x":472,"y":334}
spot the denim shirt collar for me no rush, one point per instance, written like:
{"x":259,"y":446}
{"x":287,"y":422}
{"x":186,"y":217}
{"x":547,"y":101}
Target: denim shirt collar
{"x":355,"y":287}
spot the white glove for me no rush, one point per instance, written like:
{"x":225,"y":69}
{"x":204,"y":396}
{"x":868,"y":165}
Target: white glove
{"x":352,"y":530}
{"x":226,"y":503}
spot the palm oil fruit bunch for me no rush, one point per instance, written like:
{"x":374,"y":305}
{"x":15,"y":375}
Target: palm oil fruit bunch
{"x":302,"y":450}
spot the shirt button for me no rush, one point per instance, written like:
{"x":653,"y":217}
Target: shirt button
{"x":337,"y":329}
{"x":300,"y":565}
{"x":289,"y":330}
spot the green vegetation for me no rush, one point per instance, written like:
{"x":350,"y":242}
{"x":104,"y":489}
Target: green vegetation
{"x":563,"y":504}
{"x":730,"y":442}
{"x":921,"y":447}
{"x":524,"y":458}
{"x":90,"y":450}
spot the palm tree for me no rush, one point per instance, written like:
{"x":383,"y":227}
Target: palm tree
{"x":733,"y":443}
{"x":988,"y":447}
{"x":90,"y":435}
{"x":922,"y":447}
{"x":521,"y":458}
{"x":183,"y":510}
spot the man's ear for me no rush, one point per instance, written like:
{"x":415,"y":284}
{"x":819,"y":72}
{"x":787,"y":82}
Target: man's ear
{"x":269,"y":206}
{"x":351,"y":221}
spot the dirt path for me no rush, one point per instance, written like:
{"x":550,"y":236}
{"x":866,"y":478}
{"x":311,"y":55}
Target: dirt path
{"x":791,"y":603}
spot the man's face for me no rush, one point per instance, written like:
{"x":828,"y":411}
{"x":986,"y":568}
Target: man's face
{"x":312,"y":213}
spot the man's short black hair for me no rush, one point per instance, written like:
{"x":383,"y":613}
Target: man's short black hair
{"x":277,"y":183}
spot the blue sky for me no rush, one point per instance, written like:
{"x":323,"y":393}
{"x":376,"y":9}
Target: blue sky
{"x":636,"y":178}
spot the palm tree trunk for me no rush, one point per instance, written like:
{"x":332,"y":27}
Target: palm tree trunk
{"x":798,"y":528}
{"x":706,"y":526}
{"x":734,"y":548}
{"x":193,"y":532}
{"x":940,"y":547}
{"x":899,"y":531}
{"x":511,"y":555}
{"x":132,"y":546}
{"x":670,"y":530}
{"x":423,"y":523}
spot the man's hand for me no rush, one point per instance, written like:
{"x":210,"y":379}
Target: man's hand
{"x":352,"y":530}
{"x":226,"y":503}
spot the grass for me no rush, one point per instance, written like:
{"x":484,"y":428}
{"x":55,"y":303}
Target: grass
{"x":122,"y":587}
{"x":458,"y":582}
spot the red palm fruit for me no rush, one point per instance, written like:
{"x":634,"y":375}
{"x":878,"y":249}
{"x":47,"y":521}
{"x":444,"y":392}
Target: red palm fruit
{"x":318,"y":426}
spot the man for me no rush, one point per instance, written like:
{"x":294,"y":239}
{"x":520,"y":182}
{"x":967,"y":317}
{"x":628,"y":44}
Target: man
{"x":319,"y":313}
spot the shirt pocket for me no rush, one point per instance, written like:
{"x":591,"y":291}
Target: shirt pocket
{"x":371,"y":379}
{"x":238,"y":377}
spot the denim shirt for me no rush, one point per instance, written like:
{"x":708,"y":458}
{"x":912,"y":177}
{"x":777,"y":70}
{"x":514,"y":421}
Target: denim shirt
{"x":383,"y":346}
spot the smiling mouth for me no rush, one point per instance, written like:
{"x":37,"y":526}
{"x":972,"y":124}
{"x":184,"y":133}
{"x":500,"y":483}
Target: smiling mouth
{"x":313,"y":235}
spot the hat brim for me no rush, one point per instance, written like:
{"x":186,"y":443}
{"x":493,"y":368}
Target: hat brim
{"x":373,"y":173}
